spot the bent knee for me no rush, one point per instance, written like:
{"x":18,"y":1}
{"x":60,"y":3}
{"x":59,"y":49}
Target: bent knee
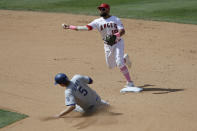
{"x":120,"y":64}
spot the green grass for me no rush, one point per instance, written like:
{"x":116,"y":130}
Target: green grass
{"x":183,"y":11}
{"x":7,"y":117}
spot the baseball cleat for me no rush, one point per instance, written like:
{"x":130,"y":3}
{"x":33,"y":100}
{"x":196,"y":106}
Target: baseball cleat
{"x":130,"y":84}
{"x":78,"y":109}
{"x":127,"y":60}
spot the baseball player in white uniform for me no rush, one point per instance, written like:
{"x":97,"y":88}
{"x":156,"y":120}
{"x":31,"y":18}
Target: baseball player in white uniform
{"x":78,"y":95}
{"x":111,"y":30}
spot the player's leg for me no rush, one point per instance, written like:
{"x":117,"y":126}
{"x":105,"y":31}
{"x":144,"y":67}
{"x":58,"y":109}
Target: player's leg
{"x":79,"y":109}
{"x":101,"y":104}
{"x":119,"y":55}
{"x":120,"y":62}
{"x":104,"y":103}
{"x":109,"y":56}
{"x":127,"y":60}
{"x":96,"y":105}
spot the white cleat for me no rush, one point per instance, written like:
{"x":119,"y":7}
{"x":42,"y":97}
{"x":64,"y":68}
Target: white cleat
{"x":78,"y":109}
{"x":130,"y":84}
{"x":127,"y":60}
{"x":131,"y":88}
{"x":105,"y":103}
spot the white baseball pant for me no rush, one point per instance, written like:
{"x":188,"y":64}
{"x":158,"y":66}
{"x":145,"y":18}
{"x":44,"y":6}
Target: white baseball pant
{"x":114,"y":55}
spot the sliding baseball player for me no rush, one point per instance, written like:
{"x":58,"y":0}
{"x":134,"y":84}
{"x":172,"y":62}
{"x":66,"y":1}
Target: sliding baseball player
{"x":78,"y":95}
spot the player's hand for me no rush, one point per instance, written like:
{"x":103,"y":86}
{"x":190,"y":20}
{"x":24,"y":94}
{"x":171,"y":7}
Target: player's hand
{"x":64,"y":26}
{"x":57,"y":116}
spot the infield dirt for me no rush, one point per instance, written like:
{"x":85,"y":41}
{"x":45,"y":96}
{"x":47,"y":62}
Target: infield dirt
{"x":34,"y":47}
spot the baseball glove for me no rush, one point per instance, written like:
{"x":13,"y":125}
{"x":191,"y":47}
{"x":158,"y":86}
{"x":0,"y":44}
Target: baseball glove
{"x":110,"y":40}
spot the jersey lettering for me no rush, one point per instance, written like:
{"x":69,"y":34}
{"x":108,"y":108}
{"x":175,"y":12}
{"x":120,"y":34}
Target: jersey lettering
{"x":108,"y":25}
{"x":68,"y":99}
{"x":105,"y":25}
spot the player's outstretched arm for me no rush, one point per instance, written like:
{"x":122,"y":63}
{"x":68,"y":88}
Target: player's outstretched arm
{"x":66,"y":111}
{"x":72,"y":27}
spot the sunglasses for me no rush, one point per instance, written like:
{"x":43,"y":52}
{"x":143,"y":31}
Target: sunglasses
{"x":102,"y":9}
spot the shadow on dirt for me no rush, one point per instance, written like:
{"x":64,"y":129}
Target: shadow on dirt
{"x":159,"y":90}
{"x":102,"y":117}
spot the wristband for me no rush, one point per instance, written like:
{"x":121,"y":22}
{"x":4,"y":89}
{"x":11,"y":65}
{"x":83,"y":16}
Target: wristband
{"x":117,"y":34}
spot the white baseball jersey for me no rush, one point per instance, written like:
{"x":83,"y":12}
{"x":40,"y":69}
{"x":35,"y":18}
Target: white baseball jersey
{"x":114,"y":55}
{"x":79,"y":93}
{"x":107,"y":26}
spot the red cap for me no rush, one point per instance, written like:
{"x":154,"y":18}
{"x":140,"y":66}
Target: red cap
{"x":104,"y":5}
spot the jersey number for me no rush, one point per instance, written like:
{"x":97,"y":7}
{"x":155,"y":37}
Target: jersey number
{"x":83,"y":91}
{"x":114,"y":31}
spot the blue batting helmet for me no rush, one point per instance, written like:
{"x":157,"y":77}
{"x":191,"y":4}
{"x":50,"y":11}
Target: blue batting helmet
{"x":61,"y":78}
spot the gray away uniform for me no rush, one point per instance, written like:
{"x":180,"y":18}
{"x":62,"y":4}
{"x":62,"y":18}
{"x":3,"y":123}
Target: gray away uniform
{"x":80,"y":94}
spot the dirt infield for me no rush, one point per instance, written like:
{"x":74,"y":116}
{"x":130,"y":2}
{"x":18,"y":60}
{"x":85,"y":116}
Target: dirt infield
{"x":34,"y":47}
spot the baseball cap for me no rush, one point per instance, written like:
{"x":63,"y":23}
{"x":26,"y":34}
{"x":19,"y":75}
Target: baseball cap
{"x":104,"y":5}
